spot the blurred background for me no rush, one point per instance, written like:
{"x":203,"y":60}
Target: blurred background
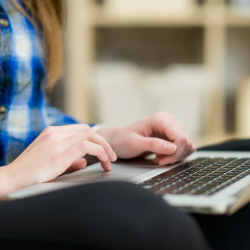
{"x":127,"y":59}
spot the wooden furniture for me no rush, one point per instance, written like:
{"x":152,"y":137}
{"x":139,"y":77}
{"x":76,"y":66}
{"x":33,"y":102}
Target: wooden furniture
{"x":243,"y":108}
{"x":215,"y":18}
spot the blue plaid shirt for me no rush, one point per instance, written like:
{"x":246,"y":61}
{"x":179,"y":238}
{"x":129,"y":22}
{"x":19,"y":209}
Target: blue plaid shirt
{"x":24,"y":110}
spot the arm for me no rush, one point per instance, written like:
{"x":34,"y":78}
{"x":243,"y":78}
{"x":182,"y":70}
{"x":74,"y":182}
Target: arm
{"x":10,"y":181}
{"x":52,"y":153}
{"x":7,"y":184}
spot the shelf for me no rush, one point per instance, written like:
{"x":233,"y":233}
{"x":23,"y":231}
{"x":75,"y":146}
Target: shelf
{"x":198,"y":17}
{"x":237,"y":18}
{"x":213,"y":21}
{"x":109,"y":19}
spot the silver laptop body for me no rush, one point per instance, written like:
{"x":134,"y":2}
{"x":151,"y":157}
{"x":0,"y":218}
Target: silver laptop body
{"x":225,"y":201}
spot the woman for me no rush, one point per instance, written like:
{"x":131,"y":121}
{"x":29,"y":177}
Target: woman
{"x":30,"y":62}
{"x":39,"y":143}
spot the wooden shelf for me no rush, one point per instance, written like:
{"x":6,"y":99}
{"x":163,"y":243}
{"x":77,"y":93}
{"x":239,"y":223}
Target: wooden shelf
{"x":237,"y":18}
{"x":106,"y":19}
{"x":214,"y":17}
{"x":197,"y":18}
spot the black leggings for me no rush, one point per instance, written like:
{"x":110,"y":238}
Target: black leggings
{"x":108,"y":215}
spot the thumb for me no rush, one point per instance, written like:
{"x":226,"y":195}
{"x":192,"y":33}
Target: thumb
{"x":156,"y":145}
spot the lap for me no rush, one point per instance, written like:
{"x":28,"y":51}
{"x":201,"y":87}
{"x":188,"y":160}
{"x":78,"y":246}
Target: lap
{"x":116,"y":215}
{"x":111,"y":215}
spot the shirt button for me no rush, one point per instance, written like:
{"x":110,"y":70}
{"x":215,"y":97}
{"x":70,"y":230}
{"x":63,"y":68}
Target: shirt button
{"x":4,"y":22}
{"x":2,"y":109}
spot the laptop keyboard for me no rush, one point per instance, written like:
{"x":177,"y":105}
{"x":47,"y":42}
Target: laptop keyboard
{"x":202,"y":176}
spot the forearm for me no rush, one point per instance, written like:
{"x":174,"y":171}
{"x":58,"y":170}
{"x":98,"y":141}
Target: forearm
{"x":6,"y":185}
{"x":10,"y":181}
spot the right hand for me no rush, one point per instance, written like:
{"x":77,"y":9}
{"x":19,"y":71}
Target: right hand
{"x":58,"y":149}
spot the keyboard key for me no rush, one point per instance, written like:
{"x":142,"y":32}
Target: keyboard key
{"x":200,"y":176}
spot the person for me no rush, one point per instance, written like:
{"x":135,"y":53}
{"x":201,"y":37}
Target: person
{"x":38,"y":143}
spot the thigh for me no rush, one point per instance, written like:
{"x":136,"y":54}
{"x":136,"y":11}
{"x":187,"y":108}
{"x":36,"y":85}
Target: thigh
{"x":227,"y":232}
{"x":110,"y":215}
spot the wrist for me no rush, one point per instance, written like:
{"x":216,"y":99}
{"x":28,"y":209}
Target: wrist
{"x":11,"y":180}
{"x":8,"y":184}
{"x":112,"y":136}
{"x":107,"y":133}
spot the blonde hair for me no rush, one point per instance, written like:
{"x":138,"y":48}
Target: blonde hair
{"x":48,"y":13}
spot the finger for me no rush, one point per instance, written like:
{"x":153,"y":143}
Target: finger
{"x":75,"y":148}
{"x":168,"y":127}
{"x":101,"y":141}
{"x":183,"y":143}
{"x":158,"y":157}
{"x":106,"y":166}
{"x":166,"y":160}
{"x":78,"y":164}
{"x":185,"y":148}
{"x":98,"y":151}
{"x":155,"y":145}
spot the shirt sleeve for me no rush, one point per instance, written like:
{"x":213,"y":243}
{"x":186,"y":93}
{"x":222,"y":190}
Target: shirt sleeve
{"x":56,"y":117}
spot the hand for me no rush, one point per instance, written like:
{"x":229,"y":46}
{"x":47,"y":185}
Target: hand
{"x":58,"y":149}
{"x":159,"y":134}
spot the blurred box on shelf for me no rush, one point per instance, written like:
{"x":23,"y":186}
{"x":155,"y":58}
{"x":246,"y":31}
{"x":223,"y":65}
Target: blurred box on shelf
{"x":240,"y":3}
{"x":117,"y":95}
{"x":183,"y":91}
{"x":126,"y":93}
{"x":137,"y":7}
{"x":240,"y":6}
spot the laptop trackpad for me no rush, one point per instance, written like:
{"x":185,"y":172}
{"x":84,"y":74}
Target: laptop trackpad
{"x":130,"y":170}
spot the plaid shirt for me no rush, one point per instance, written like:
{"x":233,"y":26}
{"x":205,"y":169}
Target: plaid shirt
{"x":24,"y":110}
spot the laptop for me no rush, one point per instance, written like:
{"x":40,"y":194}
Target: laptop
{"x":206,"y":182}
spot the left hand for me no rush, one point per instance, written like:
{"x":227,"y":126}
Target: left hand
{"x":157,"y":134}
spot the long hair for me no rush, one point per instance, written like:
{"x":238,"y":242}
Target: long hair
{"x":48,"y":13}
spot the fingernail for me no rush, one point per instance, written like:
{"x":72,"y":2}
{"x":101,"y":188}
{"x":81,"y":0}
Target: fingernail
{"x":108,"y":169}
{"x":171,"y":147}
